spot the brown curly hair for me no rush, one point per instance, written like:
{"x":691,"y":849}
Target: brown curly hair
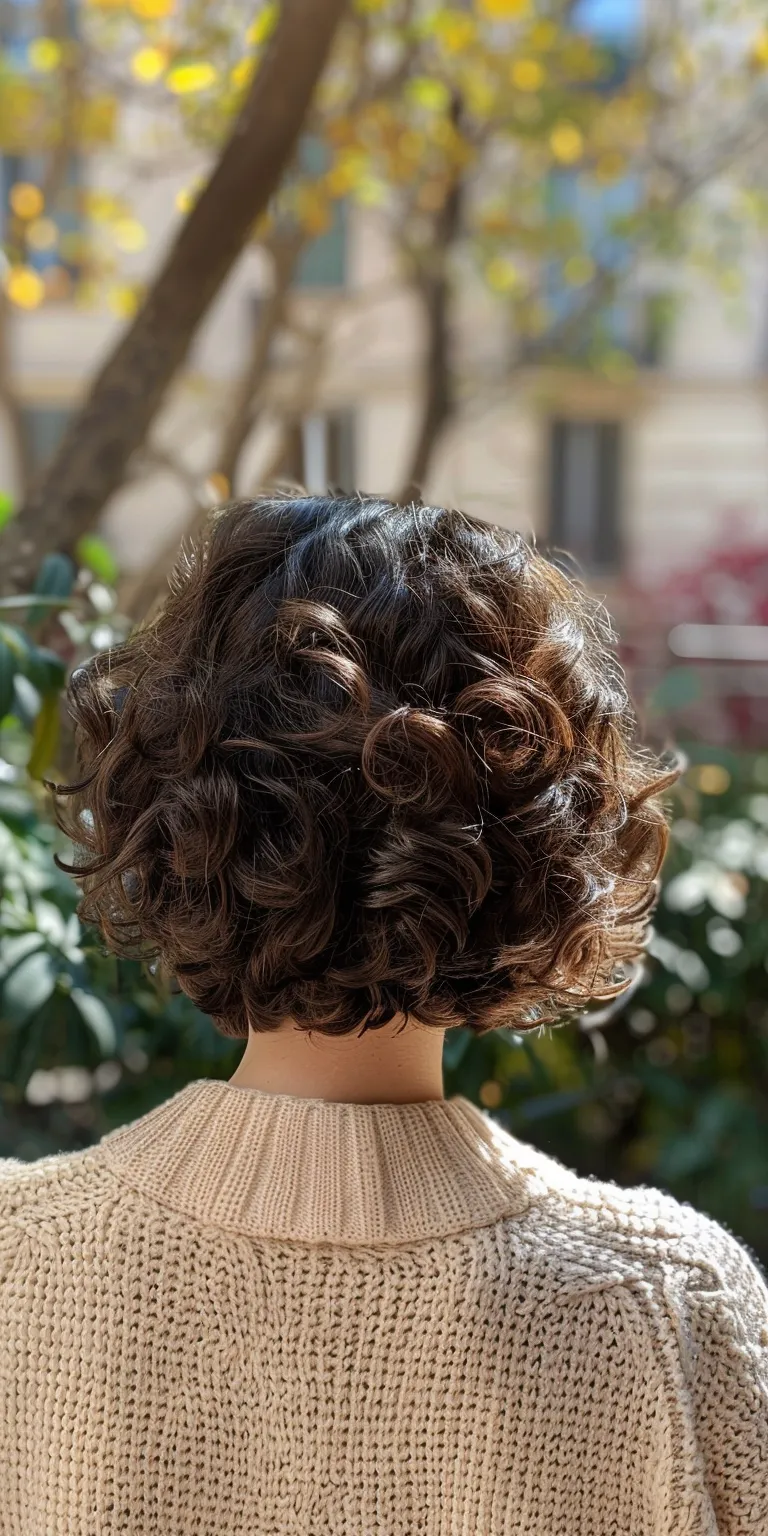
{"x":368,"y":761}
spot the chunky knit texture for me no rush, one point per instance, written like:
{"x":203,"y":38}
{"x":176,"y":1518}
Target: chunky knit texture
{"x":257,"y":1314}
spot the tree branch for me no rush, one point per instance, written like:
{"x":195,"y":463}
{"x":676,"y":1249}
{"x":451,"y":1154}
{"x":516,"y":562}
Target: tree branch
{"x":128,"y":391}
{"x":434,"y":285}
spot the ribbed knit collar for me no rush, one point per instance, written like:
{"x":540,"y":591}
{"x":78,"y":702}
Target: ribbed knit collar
{"x":274,"y":1165}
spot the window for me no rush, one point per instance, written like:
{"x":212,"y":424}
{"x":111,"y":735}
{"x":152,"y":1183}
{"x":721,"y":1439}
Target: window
{"x":584,"y":492}
{"x":323,"y":263}
{"x":321,"y":452}
{"x":43,"y":427}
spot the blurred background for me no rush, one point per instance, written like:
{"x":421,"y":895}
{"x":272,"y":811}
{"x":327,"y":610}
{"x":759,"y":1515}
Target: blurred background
{"x":510,"y":255}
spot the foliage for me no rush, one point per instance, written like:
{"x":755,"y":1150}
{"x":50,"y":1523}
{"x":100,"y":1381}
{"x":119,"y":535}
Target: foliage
{"x":672,"y":1090}
{"x":414,"y":98}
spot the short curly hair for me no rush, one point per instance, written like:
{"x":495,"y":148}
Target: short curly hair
{"x":368,"y":761}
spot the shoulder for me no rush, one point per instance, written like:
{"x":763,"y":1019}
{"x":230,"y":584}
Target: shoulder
{"x":638,"y":1233}
{"x":49,"y":1186}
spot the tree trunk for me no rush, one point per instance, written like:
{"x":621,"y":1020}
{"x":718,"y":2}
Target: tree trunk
{"x":124,"y":397}
{"x":285,"y":256}
{"x":138,"y":592}
{"x":439,"y":399}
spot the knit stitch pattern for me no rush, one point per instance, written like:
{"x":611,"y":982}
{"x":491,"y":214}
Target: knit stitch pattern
{"x":248,"y":1314}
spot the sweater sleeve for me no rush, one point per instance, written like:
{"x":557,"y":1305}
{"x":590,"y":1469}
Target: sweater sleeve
{"x":724,"y":1347}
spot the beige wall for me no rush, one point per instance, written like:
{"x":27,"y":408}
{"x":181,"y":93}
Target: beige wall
{"x":696,"y":432}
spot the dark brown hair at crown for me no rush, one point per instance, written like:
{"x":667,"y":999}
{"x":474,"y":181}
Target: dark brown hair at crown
{"x":368,"y":760}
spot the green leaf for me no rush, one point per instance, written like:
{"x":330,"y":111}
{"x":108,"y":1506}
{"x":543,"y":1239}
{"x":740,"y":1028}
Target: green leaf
{"x":55,"y":578}
{"x":27,"y":988}
{"x":454,"y":1047}
{"x":26,"y":701}
{"x":97,"y":556}
{"x":15,"y":947}
{"x":17,"y":806}
{"x":7,"y":674}
{"x":96,"y":1015}
{"x":7,"y":508}
{"x":23,"y":600}
{"x":44,"y":668}
{"x":45,"y":737}
{"x":16,"y":641}
{"x":547,"y":1104}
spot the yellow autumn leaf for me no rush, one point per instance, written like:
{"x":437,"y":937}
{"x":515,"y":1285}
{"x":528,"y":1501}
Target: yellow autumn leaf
{"x":96,"y":118}
{"x":186,"y":197}
{"x":100,"y":206}
{"x":129,"y":235}
{"x":45,"y":736}
{"x":480,"y":91}
{"x":566,"y":142}
{"x":350,"y":166}
{"x":501,"y":274}
{"x":263,"y":26}
{"x":42,"y":235}
{"x":684,"y":65}
{"x":24,"y":287}
{"x":243,"y":72}
{"x":579,"y":269}
{"x":44,"y":54}
{"x":610,"y":165}
{"x":148,"y":64}
{"x":370,"y":191}
{"x":314,"y":212}
{"x":503,"y":10}
{"x":26,"y":200}
{"x":153,"y":10}
{"x":87,"y":295}
{"x":72,"y":247}
{"x":122,"y":300}
{"x":759,"y":53}
{"x":217,"y":485}
{"x":494,"y":221}
{"x":526,"y":74}
{"x":455,"y":30}
{"x":429,"y":93}
{"x":410,"y":145}
{"x":542,"y":36}
{"x":184,"y":79}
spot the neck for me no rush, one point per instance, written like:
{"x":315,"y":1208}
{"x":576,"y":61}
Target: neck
{"x":397,"y":1064}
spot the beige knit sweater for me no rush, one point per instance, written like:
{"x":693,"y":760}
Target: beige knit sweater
{"x":257,"y":1314}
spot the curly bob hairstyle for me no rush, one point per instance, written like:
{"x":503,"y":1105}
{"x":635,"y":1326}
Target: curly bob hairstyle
{"x":368,"y":761}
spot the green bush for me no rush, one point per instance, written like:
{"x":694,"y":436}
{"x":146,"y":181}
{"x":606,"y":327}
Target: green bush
{"x":673,"y":1090}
